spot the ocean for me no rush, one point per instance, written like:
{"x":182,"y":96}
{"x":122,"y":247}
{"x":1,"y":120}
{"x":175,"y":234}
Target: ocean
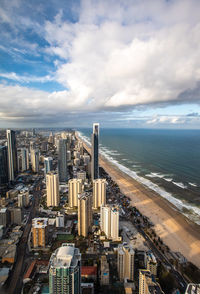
{"x":166,"y":161}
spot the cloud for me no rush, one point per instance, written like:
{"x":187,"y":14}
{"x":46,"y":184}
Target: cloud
{"x":173,"y":120}
{"x":115,"y":61}
{"x":26,"y":79}
{"x":108,"y":56}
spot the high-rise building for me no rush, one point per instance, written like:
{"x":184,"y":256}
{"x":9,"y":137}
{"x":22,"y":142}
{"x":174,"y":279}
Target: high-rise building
{"x":81,"y":149}
{"x":147,"y":284}
{"x":44,"y":146}
{"x":86,"y":159}
{"x":62,"y":160}
{"x":109,"y":221}
{"x":3,"y":166}
{"x":35,"y":160}
{"x":12,"y":155}
{"x":95,"y":152}
{"x":23,"y":199}
{"x":32,"y":145}
{"x":76,"y":161}
{"x":77,"y":154}
{"x":99,"y":193}
{"x":69,"y":156}
{"x":52,"y":186}
{"x":39,"y":232}
{"x":60,"y":220}
{"x":84,"y":214}
{"x":48,"y":164}
{"x":125,"y":262}
{"x":81,"y":175}
{"x":50,"y":140}
{"x":16,"y":216}
{"x":24,"y":159}
{"x":151,"y":263}
{"x":65,"y":270}
{"x":4,"y":217}
{"x":75,"y":187}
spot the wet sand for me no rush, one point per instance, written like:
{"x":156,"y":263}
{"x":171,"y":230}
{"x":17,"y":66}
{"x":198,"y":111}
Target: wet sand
{"x":179,"y":233}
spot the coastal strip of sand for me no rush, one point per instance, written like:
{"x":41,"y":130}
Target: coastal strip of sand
{"x":176,"y":230}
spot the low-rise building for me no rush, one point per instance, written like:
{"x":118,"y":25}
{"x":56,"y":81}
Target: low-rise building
{"x":105,"y":273}
{"x":89,"y":272}
{"x":151,"y":263}
{"x":8,"y":253}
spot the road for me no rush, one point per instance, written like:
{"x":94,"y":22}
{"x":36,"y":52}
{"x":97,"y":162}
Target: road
{"x":160,"y":256}
{"x":14,"y":283}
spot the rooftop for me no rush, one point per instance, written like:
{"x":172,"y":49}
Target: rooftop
{"x":40,"y":222}
{"x":88,"y":270}
{"x":65,"y":256}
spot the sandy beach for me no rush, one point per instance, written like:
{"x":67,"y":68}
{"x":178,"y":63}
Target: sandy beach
{"x":176,"y":231}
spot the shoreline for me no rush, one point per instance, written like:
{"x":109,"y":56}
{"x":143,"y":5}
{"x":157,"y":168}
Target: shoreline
{"x":177,"y":231}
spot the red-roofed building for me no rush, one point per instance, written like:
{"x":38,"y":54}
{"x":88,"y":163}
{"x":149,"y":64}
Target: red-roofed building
{"x":89,"y":272}
{"x":30,"y":270}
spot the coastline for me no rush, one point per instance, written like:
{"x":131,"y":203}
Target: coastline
{"x":177,"y":232}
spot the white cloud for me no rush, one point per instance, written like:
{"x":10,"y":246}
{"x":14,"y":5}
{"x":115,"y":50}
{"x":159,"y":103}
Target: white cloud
{"x":120,"y":54}
{"x":26,"y":79}
{"x":116,"y":61}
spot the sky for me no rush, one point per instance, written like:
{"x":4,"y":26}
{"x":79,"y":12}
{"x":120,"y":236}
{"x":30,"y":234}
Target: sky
{"x":122,"y":63}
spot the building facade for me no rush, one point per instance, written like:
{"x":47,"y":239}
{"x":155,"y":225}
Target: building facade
{"x":125,"y":262}
{"x":147,"y":284}
{"x":75,"y":188}
{"x":151,"y":263}
{"x":39,"y":232}
{"x":95,"y":152}
{"x":12,"y":155}
{"x":109,"y":221}
{"x":84,"y":214}
{"x":65,"y":270}
{"x":99,"y":193}
{"x":24,"y":159}
{"x":48,"y":165}
{"x":35,"y":160}
{"x":62,"y":160}
{"x":52,"y":186}
{"x":3,"y":166}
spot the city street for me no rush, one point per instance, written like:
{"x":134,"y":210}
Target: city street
{"x":14,"y":282}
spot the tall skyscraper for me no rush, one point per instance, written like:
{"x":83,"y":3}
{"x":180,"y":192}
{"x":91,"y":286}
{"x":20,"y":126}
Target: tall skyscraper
{"x":48,"y":164}
{"x":75,"y":188}
{"x":62,"y":160}
{"x":12,"y":155}
{"x":125,"y":262}
{"x":99,"y":193}
{"x":35,"y":160}
{"x":52,"y":185}
{"x":3,"y":166}
{"x":25,"y":159}
{"x":65,"y":270}
{"x":50,"y":140}
{"x":84,"y":214}
{"x":95,"y":152}
{"x":109,"y":221}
